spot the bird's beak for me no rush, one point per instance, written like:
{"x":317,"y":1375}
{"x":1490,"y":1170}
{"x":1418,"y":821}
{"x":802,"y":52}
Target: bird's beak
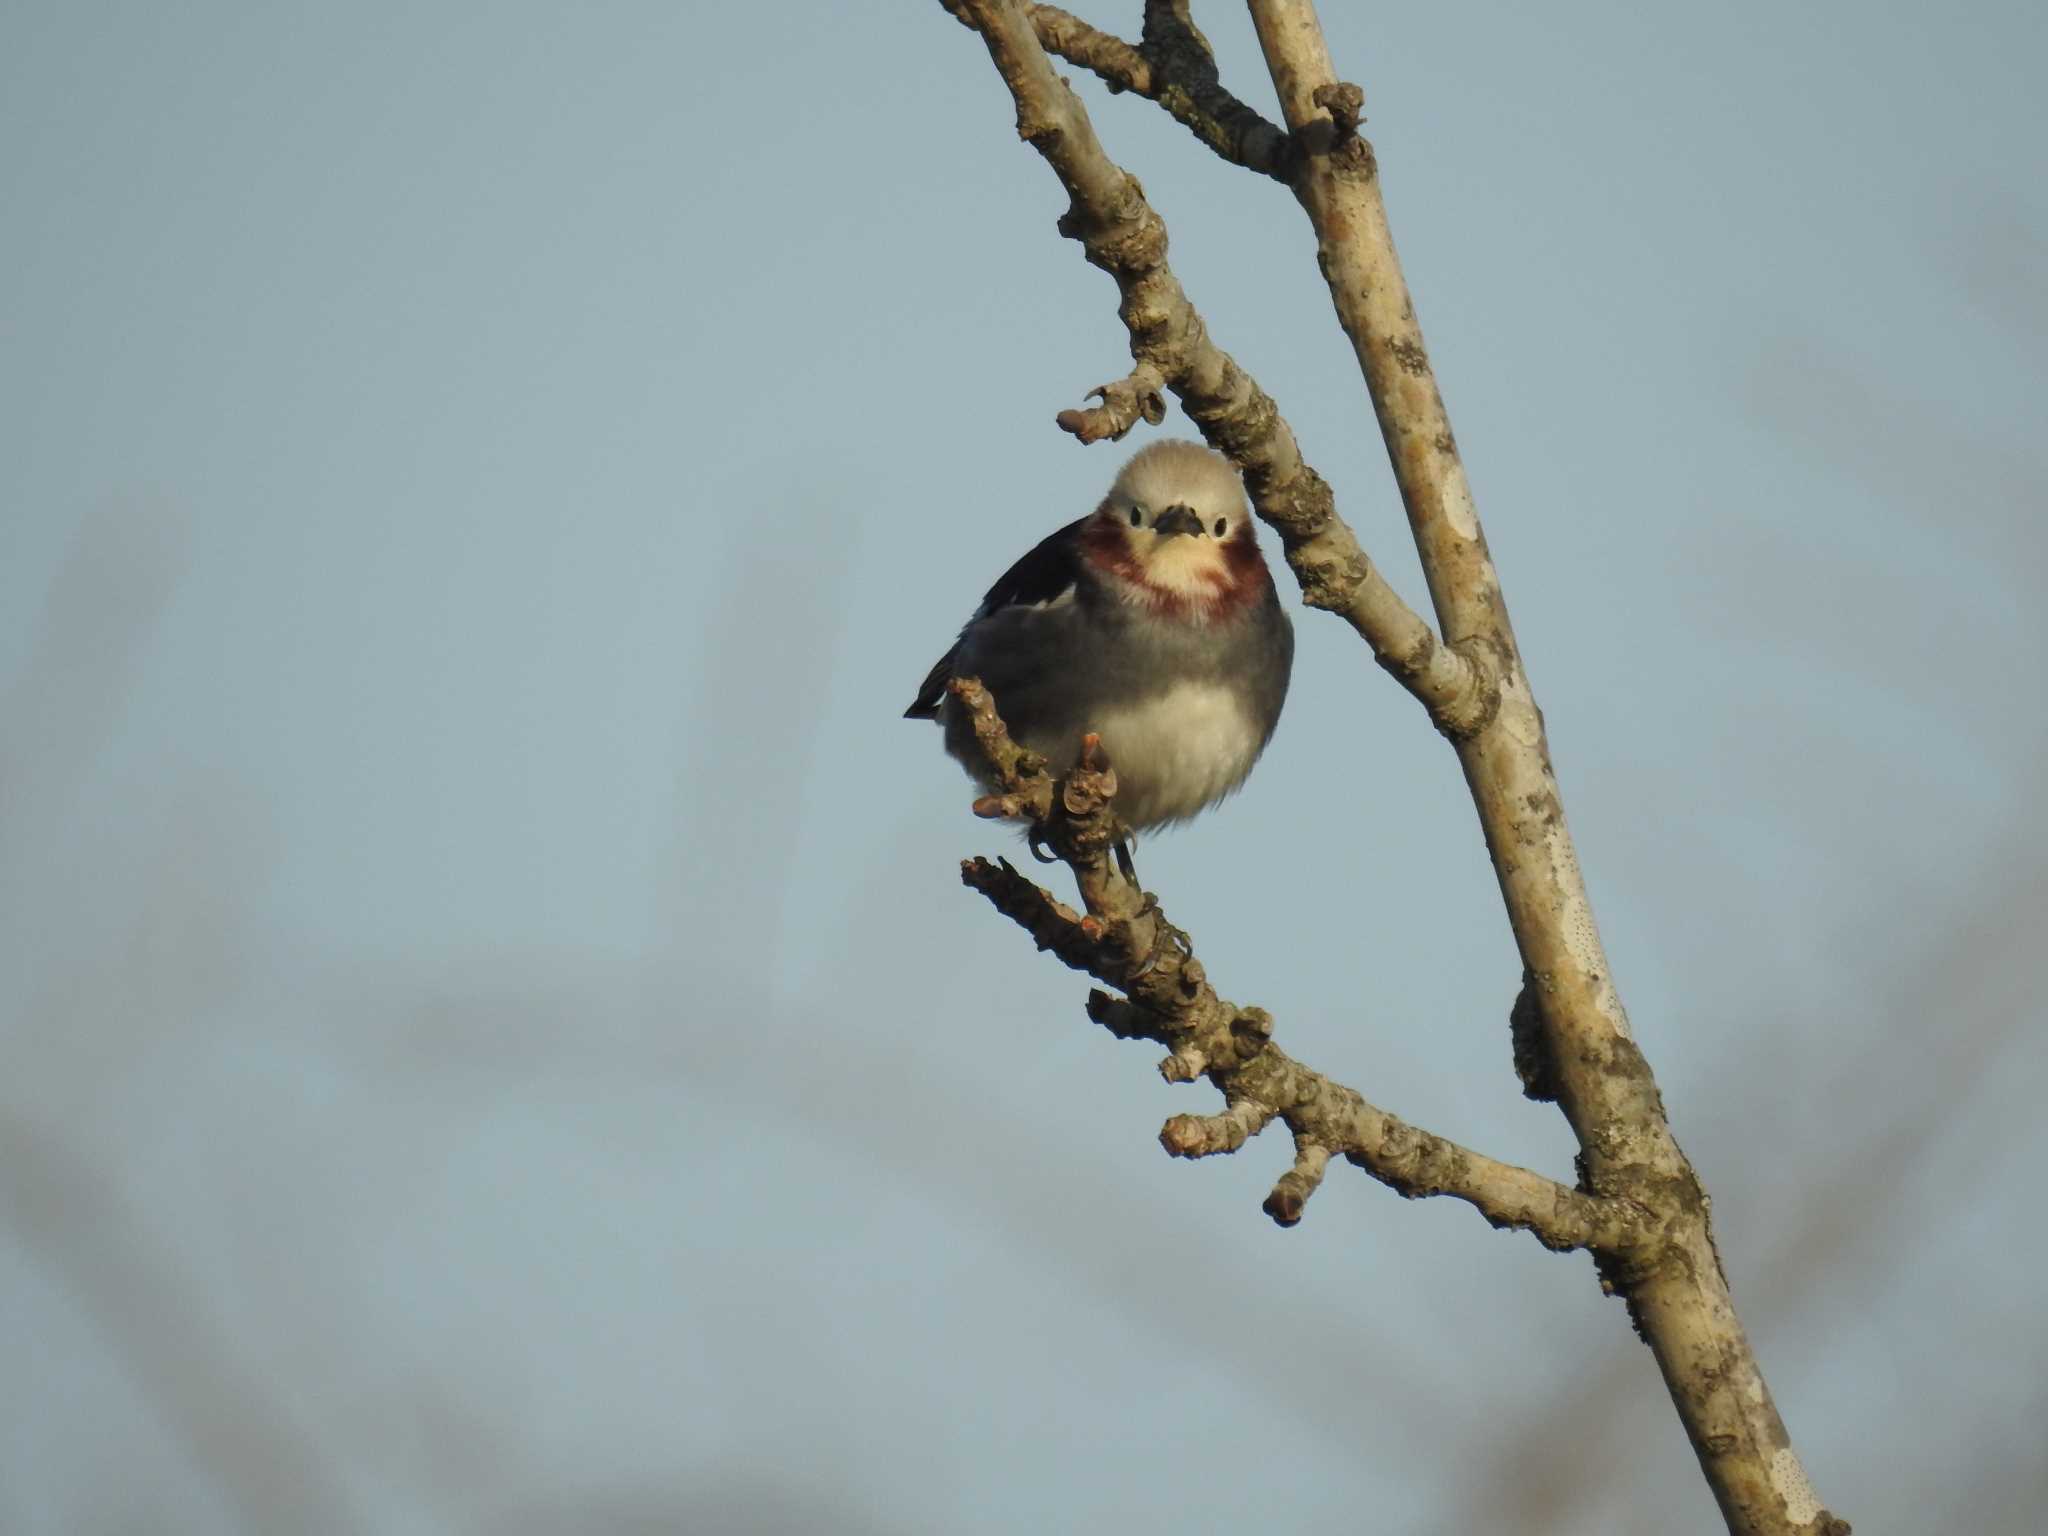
{"x":1176,"y":520}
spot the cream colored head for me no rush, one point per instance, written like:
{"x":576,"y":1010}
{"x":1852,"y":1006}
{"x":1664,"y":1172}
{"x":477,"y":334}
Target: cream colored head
{"x":1181,"y":512}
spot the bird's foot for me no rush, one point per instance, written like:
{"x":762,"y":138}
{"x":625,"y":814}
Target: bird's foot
{"x":1167,"y":934}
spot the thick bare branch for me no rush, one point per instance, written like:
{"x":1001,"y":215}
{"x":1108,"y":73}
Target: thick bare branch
{"x":1122,"y":234}
{"x":1125,"y":941}
{"x":1577,"y":1046}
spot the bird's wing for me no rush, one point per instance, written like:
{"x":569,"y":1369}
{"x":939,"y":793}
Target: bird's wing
{"x":926,"y":705}
{"x":1043,"y":576}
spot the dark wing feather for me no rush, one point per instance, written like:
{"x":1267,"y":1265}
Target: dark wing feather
{"x":926,"y":705}
{"x":1051,"y":567}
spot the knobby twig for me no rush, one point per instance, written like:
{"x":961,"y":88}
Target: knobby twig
{"x":1572,"y":1033}
{"x":1125,"y":402}
{"x":1175,"y":67}
{"x":1125,"y":941}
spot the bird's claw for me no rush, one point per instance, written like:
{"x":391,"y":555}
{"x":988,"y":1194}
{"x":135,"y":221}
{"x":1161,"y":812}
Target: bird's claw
{"x":1035,"y":841}
{"x":1166,"y":933}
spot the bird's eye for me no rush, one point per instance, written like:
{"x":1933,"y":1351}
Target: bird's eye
{"x":1137,"y":517}
{"x":1220,"y":526}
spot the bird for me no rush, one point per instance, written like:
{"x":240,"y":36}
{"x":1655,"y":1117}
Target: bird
{"x":1152,"y":623}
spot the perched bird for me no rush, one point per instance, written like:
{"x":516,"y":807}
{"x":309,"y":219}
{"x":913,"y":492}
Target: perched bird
{"x":1152,"y":622}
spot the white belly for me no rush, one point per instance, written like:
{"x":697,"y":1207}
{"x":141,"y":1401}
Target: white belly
{"x":1179,"y":752}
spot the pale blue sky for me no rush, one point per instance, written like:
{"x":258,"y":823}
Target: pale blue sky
{"x":495,"y":1039}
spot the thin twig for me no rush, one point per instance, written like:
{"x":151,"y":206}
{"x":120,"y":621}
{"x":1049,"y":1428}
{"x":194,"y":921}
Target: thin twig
{"x":1119,"y":65}
{"x":1175,"y":67}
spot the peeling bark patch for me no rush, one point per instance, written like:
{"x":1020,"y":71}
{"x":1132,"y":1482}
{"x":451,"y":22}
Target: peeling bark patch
{"x":1576,"y":927}
{"x":1463,"y":516}
{"x":1789,"y":1482}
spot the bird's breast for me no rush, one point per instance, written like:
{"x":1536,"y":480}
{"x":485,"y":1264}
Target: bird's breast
{"x":1179,"y":750}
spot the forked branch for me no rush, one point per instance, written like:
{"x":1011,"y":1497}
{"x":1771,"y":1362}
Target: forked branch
{"x":1124,"y":940}
{"x":1175,"y":67}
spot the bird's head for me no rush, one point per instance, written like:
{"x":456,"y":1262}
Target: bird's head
{"x":1177,"y":533}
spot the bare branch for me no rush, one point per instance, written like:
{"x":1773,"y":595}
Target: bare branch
{"x":1175,"y":67}
{"x":1122,"y":234}
{"x":1125,"y":941}
{"x":1187,"y":84}
{"x":1572,"y":1033}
